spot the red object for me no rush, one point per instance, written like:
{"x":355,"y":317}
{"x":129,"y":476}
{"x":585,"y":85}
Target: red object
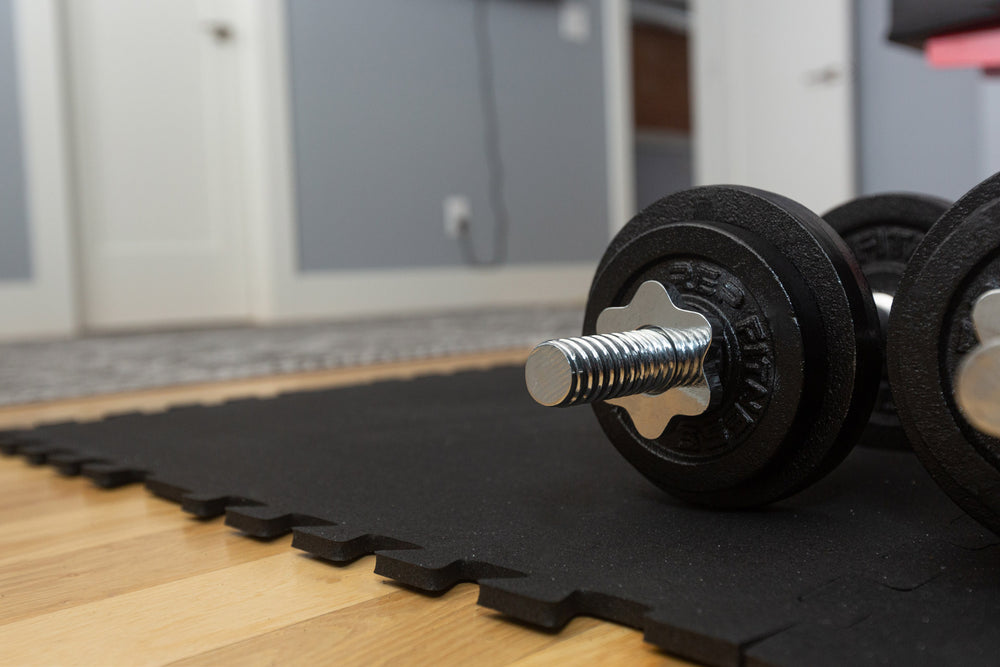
{"x":976,"y":48}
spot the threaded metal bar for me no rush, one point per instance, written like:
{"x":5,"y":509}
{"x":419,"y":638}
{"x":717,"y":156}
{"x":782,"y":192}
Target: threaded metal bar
{"x":571,"y":371}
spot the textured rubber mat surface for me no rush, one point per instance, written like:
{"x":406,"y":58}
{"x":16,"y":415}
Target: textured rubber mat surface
{"x":453,"y":478}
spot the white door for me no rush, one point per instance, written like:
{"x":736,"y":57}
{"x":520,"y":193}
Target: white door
{"x":773,"y":93}
{"x":155,"y":126}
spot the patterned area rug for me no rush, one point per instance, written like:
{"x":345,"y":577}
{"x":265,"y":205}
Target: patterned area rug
{"x":42,"y":371}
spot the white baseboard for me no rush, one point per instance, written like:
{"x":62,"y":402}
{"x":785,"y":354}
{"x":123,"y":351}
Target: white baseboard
{"x":30,"y":311}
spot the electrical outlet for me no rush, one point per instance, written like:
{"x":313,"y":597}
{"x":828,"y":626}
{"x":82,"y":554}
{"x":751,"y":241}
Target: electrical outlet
{"x":457,"y":216}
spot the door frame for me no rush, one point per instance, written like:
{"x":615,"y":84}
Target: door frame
{"x":45,"y":305}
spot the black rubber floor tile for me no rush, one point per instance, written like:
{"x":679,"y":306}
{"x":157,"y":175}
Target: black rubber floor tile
{"x":459,"y":478}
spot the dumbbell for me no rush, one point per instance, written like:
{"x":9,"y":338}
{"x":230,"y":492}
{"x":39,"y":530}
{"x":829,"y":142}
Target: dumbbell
{"x":883,"y":231}
{"x":730,"y":348}
{"x":724,"y":326}
{"x":943,"y":359}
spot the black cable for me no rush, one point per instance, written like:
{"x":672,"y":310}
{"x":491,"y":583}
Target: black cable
{"x":494,"y":161}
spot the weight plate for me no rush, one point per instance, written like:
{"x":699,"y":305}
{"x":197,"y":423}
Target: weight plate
{"x":795,"y":357}
{"x":930,"y":332}
{"x":956,"y":214}
{"x":883,"y":231}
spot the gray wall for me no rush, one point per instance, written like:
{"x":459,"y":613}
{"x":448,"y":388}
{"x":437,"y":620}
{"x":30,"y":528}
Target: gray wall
{"x":388,"y":121}
{"x":919,"y":129}
{"x":15,"y":260}
{"x":662,"y":167}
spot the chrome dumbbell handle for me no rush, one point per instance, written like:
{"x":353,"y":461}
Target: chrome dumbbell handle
{"x":572,"y":371}
{"x":647,"y":357}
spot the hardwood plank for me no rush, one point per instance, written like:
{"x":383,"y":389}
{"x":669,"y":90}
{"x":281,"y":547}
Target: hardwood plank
{"x":192,"y":615}
{"x":104,"y":518}
{"x":45,"y":584}
{"x":38,"y":491}
{"x":605,"y":645}
{"x":402,"y":628}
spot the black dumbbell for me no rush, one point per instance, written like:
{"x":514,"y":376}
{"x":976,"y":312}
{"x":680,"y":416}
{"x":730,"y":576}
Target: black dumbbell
{"x":745,"y":316}
{"x":943,"y":354}
{"x":883,"y":231}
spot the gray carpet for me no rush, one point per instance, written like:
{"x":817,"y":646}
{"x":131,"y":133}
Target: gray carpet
{"x":42,"y":371}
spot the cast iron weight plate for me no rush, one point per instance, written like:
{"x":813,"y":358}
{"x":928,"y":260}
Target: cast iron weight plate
{"x":883,"y":231}
{"x":796,"y":350}
{"x":930,"y":331}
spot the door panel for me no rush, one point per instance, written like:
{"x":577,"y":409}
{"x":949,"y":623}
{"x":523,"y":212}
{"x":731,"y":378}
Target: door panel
{"x":156,"y":164}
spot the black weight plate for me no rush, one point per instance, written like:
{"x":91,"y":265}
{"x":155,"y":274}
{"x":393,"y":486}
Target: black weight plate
{"x":883,"y":231}
{"x":929,"y":333}
{"x":983,"y":193}
{"x":796,"y":349}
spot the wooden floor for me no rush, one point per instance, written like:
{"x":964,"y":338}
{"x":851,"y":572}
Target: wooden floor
{"x":96,"y":577}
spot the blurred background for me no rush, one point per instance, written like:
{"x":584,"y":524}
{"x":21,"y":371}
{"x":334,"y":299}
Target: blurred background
{"x":177,"y":164}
